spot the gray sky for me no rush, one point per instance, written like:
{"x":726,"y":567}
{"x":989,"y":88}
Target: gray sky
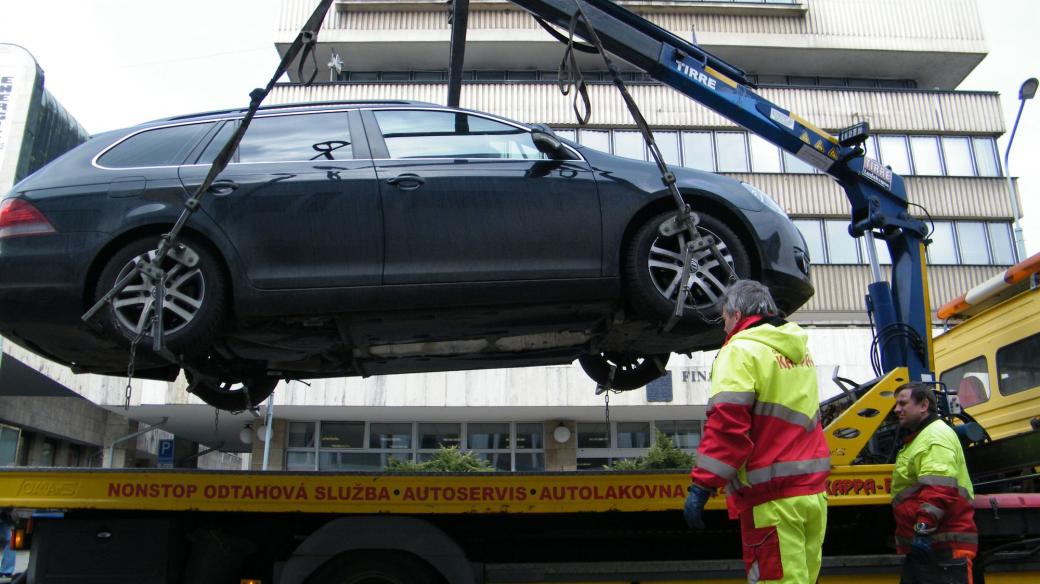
{"x":115,"y":63}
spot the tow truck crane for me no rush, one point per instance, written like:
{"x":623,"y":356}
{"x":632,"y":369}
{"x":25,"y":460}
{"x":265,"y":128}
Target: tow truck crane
{"x":544,"y":527}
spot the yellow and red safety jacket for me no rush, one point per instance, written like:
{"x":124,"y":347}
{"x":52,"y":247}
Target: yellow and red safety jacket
{"x":763,"y":439}
{"x":930,"y":485}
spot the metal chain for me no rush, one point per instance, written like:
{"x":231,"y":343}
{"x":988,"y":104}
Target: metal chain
{"x":131,"y":364}
{"x":606,"y":406}
{"x":216,"y":420}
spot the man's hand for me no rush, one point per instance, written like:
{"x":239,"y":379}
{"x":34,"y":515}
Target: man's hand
{"x":696,"y":499}
{"x":921,"y":546}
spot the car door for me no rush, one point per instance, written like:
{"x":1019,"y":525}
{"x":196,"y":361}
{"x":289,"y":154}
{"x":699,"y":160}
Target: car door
{"x":301,"y":210}
{"x":469,"y":198}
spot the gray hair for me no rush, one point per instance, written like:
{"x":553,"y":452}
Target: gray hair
{"x":749,"y":298}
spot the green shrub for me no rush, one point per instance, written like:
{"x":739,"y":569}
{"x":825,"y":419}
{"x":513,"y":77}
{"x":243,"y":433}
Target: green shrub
{"x":448,"y":459}
{"x":663,"y":455}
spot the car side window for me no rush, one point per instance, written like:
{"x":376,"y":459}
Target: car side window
{"x":295,"y":138}
{"x":158,"y":147}
{"x":439,"y":134}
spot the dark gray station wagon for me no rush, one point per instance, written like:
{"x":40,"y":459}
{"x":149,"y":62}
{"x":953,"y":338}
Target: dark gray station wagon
{"x":374,"y":238}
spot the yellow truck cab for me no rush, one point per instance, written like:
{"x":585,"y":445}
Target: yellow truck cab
{"x":990,"y":356}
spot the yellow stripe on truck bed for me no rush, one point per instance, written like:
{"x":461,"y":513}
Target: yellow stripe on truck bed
{"x":281,"y":492}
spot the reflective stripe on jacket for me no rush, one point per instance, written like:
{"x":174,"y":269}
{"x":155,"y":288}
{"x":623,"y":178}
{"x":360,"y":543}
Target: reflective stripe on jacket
{"x":930,"y":484}
{"x":763,"y":439}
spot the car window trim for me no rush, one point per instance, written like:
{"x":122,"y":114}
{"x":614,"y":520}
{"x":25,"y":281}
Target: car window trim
{"x":95,"y":164}
{"x":486,"y":116}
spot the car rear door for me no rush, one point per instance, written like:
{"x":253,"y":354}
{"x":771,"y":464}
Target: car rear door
{"x":299,"y":207}
{"x":469,"y":198}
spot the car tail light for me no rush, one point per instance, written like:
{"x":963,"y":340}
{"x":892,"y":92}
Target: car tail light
{"x":19,"y":217}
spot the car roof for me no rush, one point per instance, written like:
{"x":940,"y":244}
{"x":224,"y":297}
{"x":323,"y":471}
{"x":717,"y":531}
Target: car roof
{"x":305,"y":106}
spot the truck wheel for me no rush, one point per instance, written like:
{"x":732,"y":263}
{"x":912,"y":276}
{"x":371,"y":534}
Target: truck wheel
{"x":230,"y":395}
{"x":193,"y":307}
{"x":632,"y":371}
{"x":376,"y":568}
{"x":653,"y":264}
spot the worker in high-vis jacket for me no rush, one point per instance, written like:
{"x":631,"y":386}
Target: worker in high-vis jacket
{"x":931,"y":494}
{"x":764,"y":442}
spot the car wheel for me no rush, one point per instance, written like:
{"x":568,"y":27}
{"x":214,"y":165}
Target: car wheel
{"x":232,"y":396}
{"x":653,"y":267}
{"x":632,"y":370}
{"x":377,"y":568}
{"x":193,"y":307}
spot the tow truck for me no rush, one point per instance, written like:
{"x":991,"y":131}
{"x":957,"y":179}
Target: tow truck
{"x":201,"y":527}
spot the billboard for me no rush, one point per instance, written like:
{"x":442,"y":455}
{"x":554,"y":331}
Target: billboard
{"x":18,"y":73}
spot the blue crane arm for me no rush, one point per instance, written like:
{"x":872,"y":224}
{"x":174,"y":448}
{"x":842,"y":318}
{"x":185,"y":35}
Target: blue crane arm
{"x":876,"y":195}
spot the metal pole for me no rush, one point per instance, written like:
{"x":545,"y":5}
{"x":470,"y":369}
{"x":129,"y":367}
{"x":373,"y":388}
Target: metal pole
{"x":109,"y":459}
{"x":459,"y":23}
{"x":1020,"y":245}
{"x":872,"y":259}
{"x":268,"y":423}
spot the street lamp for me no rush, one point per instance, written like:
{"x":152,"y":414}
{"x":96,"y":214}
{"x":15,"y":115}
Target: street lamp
{"x":1027,"y":91}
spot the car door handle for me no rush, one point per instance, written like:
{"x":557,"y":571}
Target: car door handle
{"x":406,"y":182}
{"x":223,"y":187}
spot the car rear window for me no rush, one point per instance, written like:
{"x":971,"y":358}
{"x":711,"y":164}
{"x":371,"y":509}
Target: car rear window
{"x":159,"y":147}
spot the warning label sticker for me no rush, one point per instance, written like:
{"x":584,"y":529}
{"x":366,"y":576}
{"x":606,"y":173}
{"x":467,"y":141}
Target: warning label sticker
{"x":814,"y":157}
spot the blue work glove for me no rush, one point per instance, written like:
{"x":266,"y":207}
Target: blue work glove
{"x":921,"y":546}
{"x":696,"y":499}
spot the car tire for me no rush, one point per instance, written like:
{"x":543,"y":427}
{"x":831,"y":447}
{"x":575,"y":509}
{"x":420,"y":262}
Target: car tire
{"x":231,"y":396}
{"x":194,"y":308}
{"x":632,"y":370}
{"x":376,"y":568}
{"x":652,"y":267}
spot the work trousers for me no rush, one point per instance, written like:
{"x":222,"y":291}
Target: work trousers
{"x":783,"y":539}
{"x":944,"y":567}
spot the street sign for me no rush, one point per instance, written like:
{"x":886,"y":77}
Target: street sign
{"x":165,"y":453}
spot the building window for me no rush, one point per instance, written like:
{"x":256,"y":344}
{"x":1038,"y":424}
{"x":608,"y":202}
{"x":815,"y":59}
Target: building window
{"x":629,"y":144}
{"x":986,"y":156}
{"x":972,"y":240}
{"x":925,"y":150}
{"x":961,"y":242}
{"x":369,"y":446}
{"x":765,"y":156}
{"x":600,"y":445}
{"x":9,"y":436}
{"x":1000,"y":244}
{"x":957,"y":151}
{"x":894,"y":153}
{"x":698,"y":151}
{"x":668,"y":144}
{"x":943,"y":249}
{"x":732,"y":151}
{"x":841,"y":247}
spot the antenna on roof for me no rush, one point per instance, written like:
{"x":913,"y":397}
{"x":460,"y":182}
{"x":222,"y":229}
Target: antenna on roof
{"x":335,"y":66}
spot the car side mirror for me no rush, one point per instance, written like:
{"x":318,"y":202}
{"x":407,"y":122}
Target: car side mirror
{"x":547,"y":143}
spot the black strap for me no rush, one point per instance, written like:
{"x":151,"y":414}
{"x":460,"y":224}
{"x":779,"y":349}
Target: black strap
{"x":570,"y":76}
{"x":563,"y":39}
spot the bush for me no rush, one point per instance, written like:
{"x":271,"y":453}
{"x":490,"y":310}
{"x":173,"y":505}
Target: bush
{"x":663,"y":455}
{"x":448,"y":459}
